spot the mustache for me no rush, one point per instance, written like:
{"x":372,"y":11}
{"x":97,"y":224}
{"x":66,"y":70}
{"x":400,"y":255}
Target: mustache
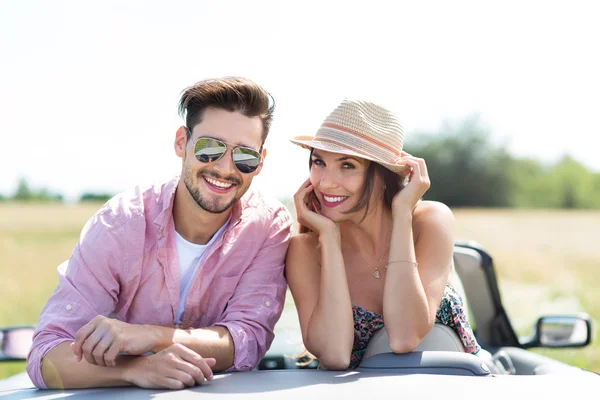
{"x":215,"y":175}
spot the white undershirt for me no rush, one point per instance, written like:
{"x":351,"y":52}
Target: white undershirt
{"x":189,"y":255}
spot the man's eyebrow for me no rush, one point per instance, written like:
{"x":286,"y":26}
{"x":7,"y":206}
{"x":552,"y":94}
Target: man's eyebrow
{"x":239,"y":144}
{"x":229,"y":143}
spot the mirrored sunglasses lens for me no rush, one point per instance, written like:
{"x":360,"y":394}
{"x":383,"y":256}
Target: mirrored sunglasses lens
{"x":246,"y":160}
{"x":209,"y":150}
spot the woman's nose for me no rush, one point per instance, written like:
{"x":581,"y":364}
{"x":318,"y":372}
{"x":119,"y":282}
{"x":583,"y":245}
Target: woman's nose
{"x":328,"y":179}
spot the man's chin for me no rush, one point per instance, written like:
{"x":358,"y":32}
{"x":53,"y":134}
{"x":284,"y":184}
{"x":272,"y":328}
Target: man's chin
{"x":215,"y":208}
{"x":217,"y":205}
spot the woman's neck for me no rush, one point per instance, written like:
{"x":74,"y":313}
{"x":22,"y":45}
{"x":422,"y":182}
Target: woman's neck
{"x":371,"y":234}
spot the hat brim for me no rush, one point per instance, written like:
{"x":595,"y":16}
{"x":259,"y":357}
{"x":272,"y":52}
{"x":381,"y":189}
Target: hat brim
{"x":309,"y":142}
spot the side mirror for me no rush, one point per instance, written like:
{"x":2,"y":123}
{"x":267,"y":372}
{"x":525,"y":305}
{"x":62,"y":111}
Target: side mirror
{"x":15,"y":342}
{"x":556,"y":331}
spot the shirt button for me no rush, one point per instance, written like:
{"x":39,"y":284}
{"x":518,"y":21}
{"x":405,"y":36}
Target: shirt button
{"x":68,"y":307}
{"x":268,"y":304}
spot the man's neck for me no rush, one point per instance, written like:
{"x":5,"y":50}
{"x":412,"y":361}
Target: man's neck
{"x":195,"y":224}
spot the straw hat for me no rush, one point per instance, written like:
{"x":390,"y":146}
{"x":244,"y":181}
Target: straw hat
{"x":361,"y":129}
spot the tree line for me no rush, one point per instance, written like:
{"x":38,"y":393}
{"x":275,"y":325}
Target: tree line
{"x":467,"y":169}
{"x":25,"y":193}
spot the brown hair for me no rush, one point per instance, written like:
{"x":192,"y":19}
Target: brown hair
{"x":393,"y":183}
{"x":229,"y":93}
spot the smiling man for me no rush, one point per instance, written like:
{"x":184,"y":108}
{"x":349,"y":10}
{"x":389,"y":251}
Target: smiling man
{"x":171,"y":282}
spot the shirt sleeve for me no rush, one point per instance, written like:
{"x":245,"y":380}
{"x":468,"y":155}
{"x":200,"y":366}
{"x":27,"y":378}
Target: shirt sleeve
{"x":258,"y":300}
{"x":88,"y":285}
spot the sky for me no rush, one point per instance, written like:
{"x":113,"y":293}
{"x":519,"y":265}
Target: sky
{"x":89,"y":89}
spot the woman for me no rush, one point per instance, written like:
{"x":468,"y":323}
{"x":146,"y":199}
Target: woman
{"x":370,"y":250}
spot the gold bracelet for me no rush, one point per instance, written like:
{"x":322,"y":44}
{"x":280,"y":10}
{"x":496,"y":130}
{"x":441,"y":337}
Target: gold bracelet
{"x":414,"y":263}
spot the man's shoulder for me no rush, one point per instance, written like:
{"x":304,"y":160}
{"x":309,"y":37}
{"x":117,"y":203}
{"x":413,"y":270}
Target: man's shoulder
{"x":260,"y":206}
{"x":138,"y":201}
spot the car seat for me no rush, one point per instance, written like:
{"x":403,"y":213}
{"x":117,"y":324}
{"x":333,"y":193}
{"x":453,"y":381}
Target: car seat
{"x":472,"y":283}
{"x":440,"y":338}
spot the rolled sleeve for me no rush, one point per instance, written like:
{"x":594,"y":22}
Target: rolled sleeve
{"x":88,"y":286}
{"x":258,"y":300}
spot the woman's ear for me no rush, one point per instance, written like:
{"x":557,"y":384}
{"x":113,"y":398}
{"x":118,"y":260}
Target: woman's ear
{"x":181,"y":141}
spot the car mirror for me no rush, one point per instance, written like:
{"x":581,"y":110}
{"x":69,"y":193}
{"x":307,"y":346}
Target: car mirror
{"x":557,"y":331}
{"x":15,"y":342}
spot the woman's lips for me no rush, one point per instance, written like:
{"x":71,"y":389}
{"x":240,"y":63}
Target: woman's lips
{"x":330,"y":201}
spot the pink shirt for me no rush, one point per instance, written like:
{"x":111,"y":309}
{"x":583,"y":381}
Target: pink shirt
{"x":125,"y":265}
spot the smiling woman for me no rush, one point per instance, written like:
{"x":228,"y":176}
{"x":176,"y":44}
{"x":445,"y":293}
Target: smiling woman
{"x":376,"y":251}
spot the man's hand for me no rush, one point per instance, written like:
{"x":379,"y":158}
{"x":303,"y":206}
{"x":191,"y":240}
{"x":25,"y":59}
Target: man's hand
{"x":102,"y":339}
{"x":172,"y":368}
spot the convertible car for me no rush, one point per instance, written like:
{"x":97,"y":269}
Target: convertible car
{"x":439,"y":367}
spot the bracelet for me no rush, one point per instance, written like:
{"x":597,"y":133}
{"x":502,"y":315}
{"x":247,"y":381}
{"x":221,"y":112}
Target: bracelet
{"x":414,"y":263}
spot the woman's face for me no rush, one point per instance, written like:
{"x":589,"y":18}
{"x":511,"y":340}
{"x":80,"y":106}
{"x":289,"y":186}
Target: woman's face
{"x":337,"y":180}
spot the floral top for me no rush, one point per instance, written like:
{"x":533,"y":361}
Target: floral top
{"x":450,"y":313}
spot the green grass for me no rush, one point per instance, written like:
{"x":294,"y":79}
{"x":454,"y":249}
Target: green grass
{"x":546,"y":262}
{"x":34,"y":240}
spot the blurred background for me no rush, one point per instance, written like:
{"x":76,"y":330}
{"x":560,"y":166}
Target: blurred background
{"x":500,"y":99}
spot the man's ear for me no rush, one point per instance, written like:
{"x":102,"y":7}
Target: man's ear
{"x":180,"y":141}
{"x":263,"y":155}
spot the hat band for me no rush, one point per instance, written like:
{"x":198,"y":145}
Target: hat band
{"x":351,"y":148}
{"x":368,"y":147}
{"x":369,"y":139}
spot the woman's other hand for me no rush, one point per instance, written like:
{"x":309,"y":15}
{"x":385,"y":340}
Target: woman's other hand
{"x":418,"y":184}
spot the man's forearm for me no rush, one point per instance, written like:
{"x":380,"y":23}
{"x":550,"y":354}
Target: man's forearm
{"x":214,"y":341}
{"x":172,"y":368}
{"x":60,"y":370}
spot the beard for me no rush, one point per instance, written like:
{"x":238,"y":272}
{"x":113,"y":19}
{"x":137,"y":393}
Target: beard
{"x":214,"y":205}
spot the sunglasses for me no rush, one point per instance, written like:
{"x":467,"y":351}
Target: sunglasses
{"x":208,"y":150}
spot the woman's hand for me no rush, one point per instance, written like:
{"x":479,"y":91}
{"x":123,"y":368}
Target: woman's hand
{"x":308,"y":210}
{"x":418,"y":183}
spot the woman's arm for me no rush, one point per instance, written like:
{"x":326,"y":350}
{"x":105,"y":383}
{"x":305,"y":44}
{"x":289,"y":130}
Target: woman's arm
{"x":322,"y":298}
{"x":319,"y":285}
{"x":412,"y":294}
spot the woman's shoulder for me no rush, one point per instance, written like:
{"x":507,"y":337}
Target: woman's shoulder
{"x":305,"y":244}
{"x":305,"y":238}
{"x":428,"y":213}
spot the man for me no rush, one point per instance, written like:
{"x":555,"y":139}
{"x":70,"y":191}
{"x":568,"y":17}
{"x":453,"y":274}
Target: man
{"x":171,"y":282}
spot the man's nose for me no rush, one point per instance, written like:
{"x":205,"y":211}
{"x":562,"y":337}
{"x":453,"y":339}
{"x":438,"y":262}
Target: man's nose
{"x":225,"y":164}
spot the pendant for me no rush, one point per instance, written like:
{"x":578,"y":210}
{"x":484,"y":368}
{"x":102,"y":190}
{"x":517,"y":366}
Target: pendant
{"x":376,"y":274}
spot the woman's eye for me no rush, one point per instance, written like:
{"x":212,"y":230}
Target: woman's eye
{"x":318,"y":162}
{"x":347,"y":166}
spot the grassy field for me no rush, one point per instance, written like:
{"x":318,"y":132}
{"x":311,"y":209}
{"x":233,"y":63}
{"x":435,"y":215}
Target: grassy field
{"x":547,"y":262}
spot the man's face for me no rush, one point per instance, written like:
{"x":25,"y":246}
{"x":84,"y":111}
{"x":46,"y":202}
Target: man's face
{"x":216,"y":186}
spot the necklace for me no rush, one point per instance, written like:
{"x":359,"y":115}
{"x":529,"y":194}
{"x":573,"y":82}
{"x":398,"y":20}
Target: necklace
{"x":376,"y":273}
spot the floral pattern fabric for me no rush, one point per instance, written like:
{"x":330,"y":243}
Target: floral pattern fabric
{"x":450,"y":313}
